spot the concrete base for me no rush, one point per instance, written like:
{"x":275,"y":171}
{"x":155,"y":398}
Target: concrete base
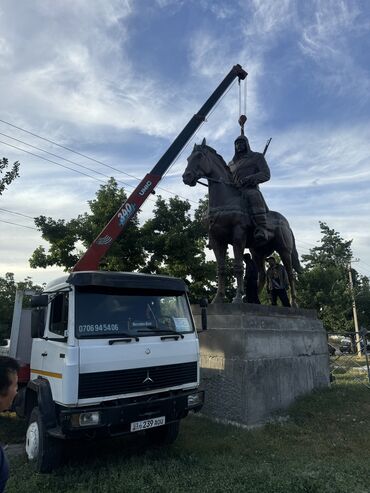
{"x":256,"y":359}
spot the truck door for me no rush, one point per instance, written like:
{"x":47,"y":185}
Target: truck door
{"x":56,"y":353}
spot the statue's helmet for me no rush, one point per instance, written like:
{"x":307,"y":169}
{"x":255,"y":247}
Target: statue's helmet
{"x":241,"y":142}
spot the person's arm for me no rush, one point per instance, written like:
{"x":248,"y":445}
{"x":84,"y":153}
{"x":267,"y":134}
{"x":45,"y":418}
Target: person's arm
{"x":262,"y":174}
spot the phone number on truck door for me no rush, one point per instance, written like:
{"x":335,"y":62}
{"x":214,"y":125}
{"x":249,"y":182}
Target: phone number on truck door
{"x":98,"y":328}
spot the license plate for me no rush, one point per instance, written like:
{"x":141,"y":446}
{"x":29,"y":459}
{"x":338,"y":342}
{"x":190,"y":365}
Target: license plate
{"x":148,"y":423}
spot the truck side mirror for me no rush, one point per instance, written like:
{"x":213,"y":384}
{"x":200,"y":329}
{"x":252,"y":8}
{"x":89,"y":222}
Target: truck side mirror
{"x":37,"y":323}
{"x":203,"y":312}
{"x":39,"y":301}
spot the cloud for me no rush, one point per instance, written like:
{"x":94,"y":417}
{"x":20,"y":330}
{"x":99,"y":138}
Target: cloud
{"x":77,"y":78}
{"x":321,"y":155}
{"x":327,"y":35}
{"x":269,"y":18}
{"x":333,"y":40}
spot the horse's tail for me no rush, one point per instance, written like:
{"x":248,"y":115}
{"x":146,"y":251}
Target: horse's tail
{"x":295,"y":257}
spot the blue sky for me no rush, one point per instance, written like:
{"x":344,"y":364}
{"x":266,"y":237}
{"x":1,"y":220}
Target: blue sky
{"x":118,"y":80}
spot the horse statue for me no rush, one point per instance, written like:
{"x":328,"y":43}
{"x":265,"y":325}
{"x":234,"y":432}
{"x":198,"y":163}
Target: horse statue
{"x":230,"y":224}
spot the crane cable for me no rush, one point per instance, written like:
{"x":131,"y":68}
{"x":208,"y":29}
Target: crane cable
{"x":242,"y":116}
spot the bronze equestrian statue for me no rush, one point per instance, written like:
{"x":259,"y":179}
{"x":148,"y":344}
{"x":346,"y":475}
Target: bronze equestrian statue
{"x":230,"y":223}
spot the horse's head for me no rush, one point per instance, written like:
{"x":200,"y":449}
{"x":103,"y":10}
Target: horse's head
{"x":199,"y":164}
{"x":194,"y":169}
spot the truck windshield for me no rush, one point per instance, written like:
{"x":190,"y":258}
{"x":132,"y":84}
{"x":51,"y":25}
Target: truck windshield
{"x":118,"y":313}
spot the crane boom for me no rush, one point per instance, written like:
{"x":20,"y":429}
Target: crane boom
{"x":91,"y":258}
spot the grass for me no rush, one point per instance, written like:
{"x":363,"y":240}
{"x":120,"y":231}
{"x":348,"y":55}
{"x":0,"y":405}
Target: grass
{"x":323,"y":446}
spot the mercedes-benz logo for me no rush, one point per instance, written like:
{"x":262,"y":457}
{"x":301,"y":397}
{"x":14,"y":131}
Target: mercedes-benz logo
{"x":147,"y":351}
{"x":148,"y":379}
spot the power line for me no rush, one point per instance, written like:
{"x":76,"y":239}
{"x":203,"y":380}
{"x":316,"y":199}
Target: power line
{"x":50,"y":161}
{"x":17,"y":213}
{"x":84,"y":156}
{"x":68,"y":149}
{"x":63,"y":158}
{"x":16,"y":224}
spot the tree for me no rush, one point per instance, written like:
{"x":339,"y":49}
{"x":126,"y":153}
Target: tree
{"x":175,"y":244}
{"x":362,"y":295}
{"x":8,"y":287}
{"x":126,"y":253}
{"x":10,"y":175}
{"x":333,"y":251}
{"x":323,"y":284}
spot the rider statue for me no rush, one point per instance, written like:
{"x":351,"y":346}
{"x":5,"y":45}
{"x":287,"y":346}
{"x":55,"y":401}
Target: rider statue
{"x":248,"y":169}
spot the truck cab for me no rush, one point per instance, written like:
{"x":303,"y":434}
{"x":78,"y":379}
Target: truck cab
{"x":112,"y":353}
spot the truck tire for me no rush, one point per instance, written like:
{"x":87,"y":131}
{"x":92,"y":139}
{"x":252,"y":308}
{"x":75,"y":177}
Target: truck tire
{"x":164,"y":435}
{"x":44,"y":451}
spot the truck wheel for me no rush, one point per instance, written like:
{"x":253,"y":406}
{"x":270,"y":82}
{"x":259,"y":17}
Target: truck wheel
{"x":164,"y":435}
{"x":44,"y":451}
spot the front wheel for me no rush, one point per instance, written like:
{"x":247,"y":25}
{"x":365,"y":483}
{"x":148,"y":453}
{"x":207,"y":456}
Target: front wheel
{"x":44,"y":451}
{"x":164,"y":435}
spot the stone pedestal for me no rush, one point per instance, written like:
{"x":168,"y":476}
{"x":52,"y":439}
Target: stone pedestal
{"x":256,"y":359}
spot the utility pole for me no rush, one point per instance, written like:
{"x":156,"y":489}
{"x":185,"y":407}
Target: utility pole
{"x":354,"y":309}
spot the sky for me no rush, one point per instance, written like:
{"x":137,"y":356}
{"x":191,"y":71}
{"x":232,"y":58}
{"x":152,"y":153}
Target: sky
{"x":91,"y":86}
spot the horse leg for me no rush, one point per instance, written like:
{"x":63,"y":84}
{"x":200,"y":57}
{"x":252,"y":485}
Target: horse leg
{"x":260,"y":262}
{"x":219,"y":250}
{"x":286,"y":257}
{"x":238,"y":248}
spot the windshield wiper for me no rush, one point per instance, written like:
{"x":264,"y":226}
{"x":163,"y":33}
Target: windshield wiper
{"x":155,"y":330}
{"x":126,"y":338}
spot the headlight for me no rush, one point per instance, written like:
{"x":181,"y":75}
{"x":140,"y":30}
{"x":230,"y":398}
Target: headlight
{"x":196,"y":399}
{"x":86,"y":419}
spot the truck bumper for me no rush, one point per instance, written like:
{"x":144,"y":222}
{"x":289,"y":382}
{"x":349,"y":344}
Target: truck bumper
{"x":116,"y":419}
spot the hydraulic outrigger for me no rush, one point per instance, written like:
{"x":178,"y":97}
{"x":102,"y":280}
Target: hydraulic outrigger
{"x":93,"y":255}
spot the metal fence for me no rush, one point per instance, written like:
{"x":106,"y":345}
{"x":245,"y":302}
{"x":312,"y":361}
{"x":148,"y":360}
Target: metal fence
{"x":345,"y":358}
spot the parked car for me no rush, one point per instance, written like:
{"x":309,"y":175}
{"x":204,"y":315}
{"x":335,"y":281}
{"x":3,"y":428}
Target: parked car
{"x":4,"y":347}
{"x":346,"y":345}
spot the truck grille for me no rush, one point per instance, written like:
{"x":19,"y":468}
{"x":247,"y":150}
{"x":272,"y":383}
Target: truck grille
{"x":135,"y":380}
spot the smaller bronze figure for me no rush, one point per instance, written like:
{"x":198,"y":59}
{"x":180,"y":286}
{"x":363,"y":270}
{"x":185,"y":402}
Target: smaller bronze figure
{"x":277,"y":282}
{"x":249,"y":169}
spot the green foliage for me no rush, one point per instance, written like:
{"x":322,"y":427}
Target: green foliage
{"x":333,"y":251}
{"x":8,"y":287}
{"x":362,"y":293}
{"x":175,"y":245}
{"x":326,"y":290}
{"x":62,"y":236}
{"x":9,"y":175}
{"x":324,"y":283}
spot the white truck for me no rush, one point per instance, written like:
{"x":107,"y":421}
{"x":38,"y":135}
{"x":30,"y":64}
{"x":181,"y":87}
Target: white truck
{"x":111,"y":352}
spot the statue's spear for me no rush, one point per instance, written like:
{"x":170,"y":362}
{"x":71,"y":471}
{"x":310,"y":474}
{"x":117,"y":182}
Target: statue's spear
{"x":267,"y":145}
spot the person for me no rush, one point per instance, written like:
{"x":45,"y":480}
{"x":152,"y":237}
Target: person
{"x":277,"y":282}
{"x":249,"y":169}
{"x":251,"y":280}
{"x":8,"y":389}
